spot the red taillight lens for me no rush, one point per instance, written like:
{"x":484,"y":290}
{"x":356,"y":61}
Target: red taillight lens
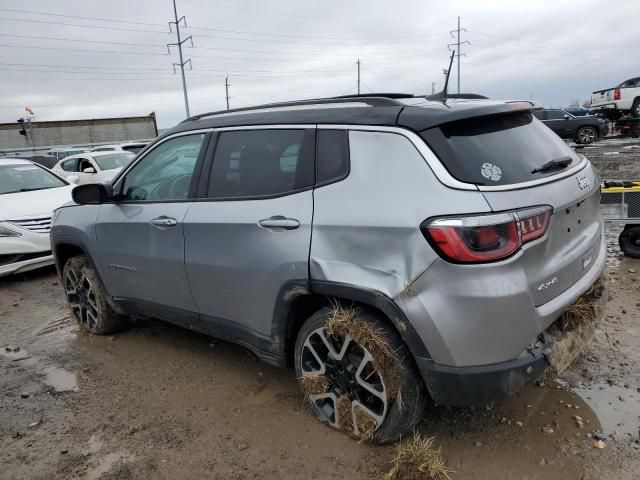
{"x":485,"y":238}
{"x":616,"y":94}
{"x":533,"y":223}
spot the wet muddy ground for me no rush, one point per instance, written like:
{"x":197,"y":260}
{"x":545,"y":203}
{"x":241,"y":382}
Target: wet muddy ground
{"x":159,"y":402}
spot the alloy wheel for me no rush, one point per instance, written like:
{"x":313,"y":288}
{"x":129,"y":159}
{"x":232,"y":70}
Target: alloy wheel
{"x":350,"y":372}
{"x":81,"y":298}
{"x":587,"y":135}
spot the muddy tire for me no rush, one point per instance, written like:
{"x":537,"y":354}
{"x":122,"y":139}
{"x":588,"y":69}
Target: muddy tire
{"x":87,"y":298}
{"x":630,"y":241}
{"x":335,"y":370}
{"x":586,"y":135}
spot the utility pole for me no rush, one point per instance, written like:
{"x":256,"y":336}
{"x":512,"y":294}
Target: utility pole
{"x":226,"y":87}
{"x":458,"y":43}
{"x":433,"y":88}
{"x":179,"y":45}
{"x":358,"y":63}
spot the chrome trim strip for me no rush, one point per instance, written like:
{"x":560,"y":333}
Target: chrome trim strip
{"x":442,"y":173}
{"x":433,"y":162}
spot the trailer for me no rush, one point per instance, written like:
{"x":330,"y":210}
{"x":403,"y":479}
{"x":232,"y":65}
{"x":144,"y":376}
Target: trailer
{"x":620,"y":204}
{"x":627,"y":126}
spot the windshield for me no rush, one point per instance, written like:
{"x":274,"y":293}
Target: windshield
{"x":110,"y":161}
{"x":498,"y":150}
{"x":25,"y":178}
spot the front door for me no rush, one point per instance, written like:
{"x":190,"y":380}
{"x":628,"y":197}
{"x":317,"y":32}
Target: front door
{"x":249,"y":239}
{"x":141,"y":235}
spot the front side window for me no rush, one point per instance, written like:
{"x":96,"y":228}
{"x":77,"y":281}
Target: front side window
{"x":250,"y":163}
{"x":70,"y":165}
{"x":25,"y":178}
{"x":165,"y":172}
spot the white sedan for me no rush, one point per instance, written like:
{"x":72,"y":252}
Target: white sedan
{"x":93,"y":167}
{"x":29,"y":193}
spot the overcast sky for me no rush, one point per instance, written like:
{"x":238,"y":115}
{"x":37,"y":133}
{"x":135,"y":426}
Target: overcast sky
{"x":94,"y":58}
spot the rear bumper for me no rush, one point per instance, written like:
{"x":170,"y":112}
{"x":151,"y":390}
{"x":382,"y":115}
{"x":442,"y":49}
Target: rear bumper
{"x":475,"y":386}
{"x":557,"y":348}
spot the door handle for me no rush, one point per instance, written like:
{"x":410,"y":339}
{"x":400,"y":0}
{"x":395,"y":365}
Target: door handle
{"x":278,"y":222}
{"x":164,"y":222}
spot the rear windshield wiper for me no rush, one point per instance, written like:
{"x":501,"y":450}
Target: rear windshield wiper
{"x":559,"y":164}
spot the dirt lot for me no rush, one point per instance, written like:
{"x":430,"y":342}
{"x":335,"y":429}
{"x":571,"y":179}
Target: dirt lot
{"x":158,"y":402}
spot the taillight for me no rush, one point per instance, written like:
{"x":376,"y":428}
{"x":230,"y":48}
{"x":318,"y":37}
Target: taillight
{"x":486,"y":238}
{"x":616,"y":94}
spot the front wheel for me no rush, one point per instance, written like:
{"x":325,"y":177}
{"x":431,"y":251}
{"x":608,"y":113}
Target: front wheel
{"x":87,"y":298}
{"x":586,"y":135}
{"x":630,"y":240}
{"x":357,"y":374}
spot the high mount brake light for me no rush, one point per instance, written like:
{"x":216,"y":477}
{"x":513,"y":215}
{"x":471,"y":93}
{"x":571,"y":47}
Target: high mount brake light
{"x":486,"y":238}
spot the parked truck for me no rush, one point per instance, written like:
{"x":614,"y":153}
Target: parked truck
{"x":615,"y":102}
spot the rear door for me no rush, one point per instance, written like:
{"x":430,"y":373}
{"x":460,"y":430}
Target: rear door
{"x":248,"y":237}
{"x":141,"y":236}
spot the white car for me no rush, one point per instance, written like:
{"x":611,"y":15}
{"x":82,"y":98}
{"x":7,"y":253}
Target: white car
{"x":29,"y":193}
{"x":93,"y":167}
{"x":133,"y":147}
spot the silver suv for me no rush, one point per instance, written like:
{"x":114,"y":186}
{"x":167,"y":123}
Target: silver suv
{"x":390,"y":248}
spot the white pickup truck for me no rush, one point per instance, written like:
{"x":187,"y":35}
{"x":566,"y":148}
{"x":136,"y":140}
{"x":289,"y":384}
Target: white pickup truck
{"x":618,"y":101}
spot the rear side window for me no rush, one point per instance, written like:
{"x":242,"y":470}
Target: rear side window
{"x":499,"y":149}
{"x":254,"y":163}
{"x":333,"y":155}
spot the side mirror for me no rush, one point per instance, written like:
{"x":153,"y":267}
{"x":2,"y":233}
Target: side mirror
{"x":89,"y":170}
{"x":566,"y":117}
{"x":92,"y":193}
{"x":73,"y":179}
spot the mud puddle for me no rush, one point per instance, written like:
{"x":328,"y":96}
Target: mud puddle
{"x":617,"y":408}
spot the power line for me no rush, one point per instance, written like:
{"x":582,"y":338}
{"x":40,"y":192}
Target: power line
{"x":40,"y":47}
{"x":32,"y":12}
{"x":83,"y":40}
{"x":83,"y":26}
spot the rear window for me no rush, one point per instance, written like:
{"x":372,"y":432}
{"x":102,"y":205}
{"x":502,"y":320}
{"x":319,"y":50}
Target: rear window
{"x":498,"y":150}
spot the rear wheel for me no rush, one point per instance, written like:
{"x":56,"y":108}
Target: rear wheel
{"x":359,"y":376}
{"x":635,"y":108}
{"x":586,"y":135}
{"x":630,"y":240}
{"x":87,"y":298}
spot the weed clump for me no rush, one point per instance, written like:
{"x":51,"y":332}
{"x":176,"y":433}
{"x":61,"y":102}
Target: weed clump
{"x":315,"y":384}
{"x":343,"y":322}
{"x":417,"y":458}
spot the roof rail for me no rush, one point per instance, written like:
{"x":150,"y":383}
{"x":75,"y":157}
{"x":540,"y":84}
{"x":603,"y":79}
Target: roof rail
{"x":469,"y":96}
{"x":374,"y":100}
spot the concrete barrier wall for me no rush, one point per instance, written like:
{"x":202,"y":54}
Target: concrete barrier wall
{"x":77,"y":132}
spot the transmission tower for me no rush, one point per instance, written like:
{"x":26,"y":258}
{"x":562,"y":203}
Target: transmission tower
{"x":457,"y":44}
{"x":179,"y":44}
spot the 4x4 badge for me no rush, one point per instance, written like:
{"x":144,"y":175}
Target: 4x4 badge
{"x":583,"y":182}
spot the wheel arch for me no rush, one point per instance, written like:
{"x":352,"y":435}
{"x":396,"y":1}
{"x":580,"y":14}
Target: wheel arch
{"x":298,"y":301}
